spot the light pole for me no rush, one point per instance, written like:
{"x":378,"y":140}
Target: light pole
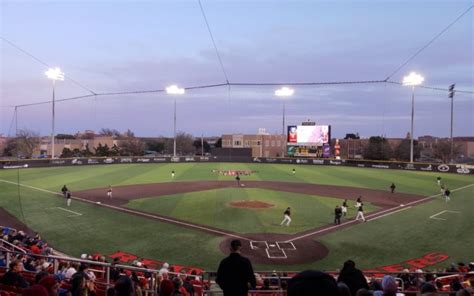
{"x":284,"y":92}
{"x":451,"y":95}
{"x":412,"y":80}
{"x":54,"y":74}
{"x":174,"y":90}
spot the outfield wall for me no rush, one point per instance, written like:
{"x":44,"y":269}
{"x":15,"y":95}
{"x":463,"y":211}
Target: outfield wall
{"x":427,"y":167}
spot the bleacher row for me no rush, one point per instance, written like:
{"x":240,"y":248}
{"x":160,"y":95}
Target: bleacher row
{"x":102,"y":276}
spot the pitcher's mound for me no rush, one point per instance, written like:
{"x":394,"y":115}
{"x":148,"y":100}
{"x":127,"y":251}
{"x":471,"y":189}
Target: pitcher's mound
{"x":251,"y":204}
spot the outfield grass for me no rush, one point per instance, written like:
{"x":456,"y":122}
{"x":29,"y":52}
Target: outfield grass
{"x":389,"y":240}
{"x":212,"y":208}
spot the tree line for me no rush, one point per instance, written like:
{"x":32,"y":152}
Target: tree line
{"x":27,"y":141}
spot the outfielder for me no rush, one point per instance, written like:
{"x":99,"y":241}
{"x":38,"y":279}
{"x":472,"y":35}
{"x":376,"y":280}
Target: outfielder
{"x":287,"y":218}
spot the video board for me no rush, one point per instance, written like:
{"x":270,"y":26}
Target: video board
{"x":308,"y":135}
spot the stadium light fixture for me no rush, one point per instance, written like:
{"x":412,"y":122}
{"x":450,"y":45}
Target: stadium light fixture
{"x":174,"y":90}
{"x":284,"y":92}
{"x":413,"y":79}
{"x":54,"y":74}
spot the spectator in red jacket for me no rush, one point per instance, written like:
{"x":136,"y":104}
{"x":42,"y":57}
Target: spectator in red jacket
{"x":166,"y":285}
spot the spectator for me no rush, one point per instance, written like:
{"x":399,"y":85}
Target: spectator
{"x":235,"y":273}
{"x":312,"y":282}
{"x":266,"y":285}
{"x":187,"y":283}
{"x":428,"y":288}
{"x":166,"y":286}
{"x":164,"y":268}
{"x":29,"y":264}
{"x":389,"y":287}
{"x":463,"y":292}
{"x":178,"y":289}
{"x":72,"y":270}
{"x":115,"y":271}
{"x":51,"y":285}
{"x":352,"y":277}
{"x":363,"y":292}
{"x":124,"y":287}
{"x":35,"y":290}
{"x":343,"y":289}
{"x":40,"y":275}
{"x":13,"y":277}
{"x":78,"y":286}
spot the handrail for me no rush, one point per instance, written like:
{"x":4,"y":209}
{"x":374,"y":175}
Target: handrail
{"x":13,"y":246}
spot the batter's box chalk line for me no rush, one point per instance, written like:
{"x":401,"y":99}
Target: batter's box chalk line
{"x":258,"y":245}
{"x":286,"y":246}
{"x":276,"y":253}
{"x":434,"y":217}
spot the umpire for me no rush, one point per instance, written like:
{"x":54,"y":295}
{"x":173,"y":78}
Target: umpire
{"x":235,"y":274}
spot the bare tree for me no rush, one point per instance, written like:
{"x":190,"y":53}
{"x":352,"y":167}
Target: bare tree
{"x":184,"y":143}
{"x":109,"y":132}
{"x":130,"y":145}
{"x":23,"y":145}
{"x":442,"y":150}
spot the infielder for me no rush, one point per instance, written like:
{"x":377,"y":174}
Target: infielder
{"x":360,"y":213}
{"x":344,"y":207}
{"x":109,"y":192}
{"x":446,"y":194}
{"x":64,"y":190}
{"x":68,"y":198}
{"x":287,"y":218}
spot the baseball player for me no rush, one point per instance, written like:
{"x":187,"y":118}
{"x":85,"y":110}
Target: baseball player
{"x":287,"y":218}
{"x":109,"y":192}
{"x":238,"y":180}
{"x":446,"y":194}
{"x":64,"y":190}
{"x":344,"y":208}
{"x":68,"y":198}
{"x":360,"y":213}
{"x":392,"y":187}
{"x":337,"y":215}
{"x":438,"y":180}
{"x":358,"y":202}
{"x":294,"y":171}
{"x":172,"y":174}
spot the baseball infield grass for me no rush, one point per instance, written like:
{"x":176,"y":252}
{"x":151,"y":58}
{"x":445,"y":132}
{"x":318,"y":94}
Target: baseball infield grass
{"x":213,"y":208}
{"x":389,"y":240}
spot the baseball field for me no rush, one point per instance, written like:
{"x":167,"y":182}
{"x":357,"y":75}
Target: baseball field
{"x":189,"y":219}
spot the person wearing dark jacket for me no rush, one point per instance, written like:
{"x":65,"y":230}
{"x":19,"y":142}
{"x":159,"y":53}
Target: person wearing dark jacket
{"x":337,"y":215}
{"x":235,"y":273}
{"x":352,"y":277}
{"x":13,"y":277}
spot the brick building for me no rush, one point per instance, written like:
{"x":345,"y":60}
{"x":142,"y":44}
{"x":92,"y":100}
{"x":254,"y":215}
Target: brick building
{"x":262,"y":144}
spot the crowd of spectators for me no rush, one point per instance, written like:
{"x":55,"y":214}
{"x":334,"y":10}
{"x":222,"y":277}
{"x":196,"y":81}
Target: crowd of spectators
{"x":32,"y":274}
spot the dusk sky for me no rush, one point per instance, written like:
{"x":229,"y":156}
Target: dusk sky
{"x":112,"y":46}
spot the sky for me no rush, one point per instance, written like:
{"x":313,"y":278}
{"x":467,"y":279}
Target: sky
{"x":115,"y":46}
